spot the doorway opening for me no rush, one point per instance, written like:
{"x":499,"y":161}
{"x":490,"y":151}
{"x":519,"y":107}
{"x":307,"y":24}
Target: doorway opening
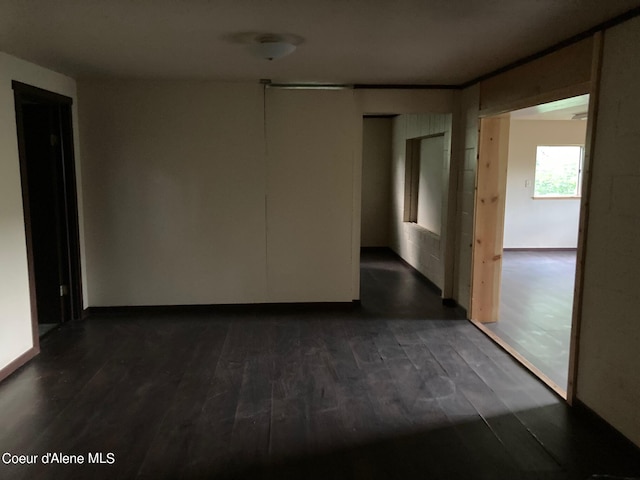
{"x":529,"y":190}
{"x":409,"y":193}
{"x":377,"y":133}
{"x":47,"y":170}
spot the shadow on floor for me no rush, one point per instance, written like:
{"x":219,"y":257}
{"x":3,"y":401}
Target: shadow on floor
{"x":396,"y":388}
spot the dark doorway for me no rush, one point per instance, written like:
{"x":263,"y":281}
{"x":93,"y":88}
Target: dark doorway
{"x":47,"y":170}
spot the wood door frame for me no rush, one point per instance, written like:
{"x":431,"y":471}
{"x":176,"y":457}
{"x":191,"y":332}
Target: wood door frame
{"x":22,"y":93}
{"x":583,"y":228}
{"x":592,"y":88}
{"x":491,"y":187}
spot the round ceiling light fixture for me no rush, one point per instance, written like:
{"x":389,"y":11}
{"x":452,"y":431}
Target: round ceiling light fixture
{"x":271,"y":47}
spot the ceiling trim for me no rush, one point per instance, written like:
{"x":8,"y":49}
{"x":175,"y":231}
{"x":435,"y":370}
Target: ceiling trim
{"x":307,"y":86}
{"x":403,"y":86}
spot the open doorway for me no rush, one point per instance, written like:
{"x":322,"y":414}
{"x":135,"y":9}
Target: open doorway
{"x":376,"y":256}
{"x":527,"y":232}
{"x":376,"y":181}
{"x":45,"y":142}
{"x":414,"y":181}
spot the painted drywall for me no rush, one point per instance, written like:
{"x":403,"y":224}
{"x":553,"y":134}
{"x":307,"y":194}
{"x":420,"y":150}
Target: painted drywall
{"x":15,"y":314}
{"x":608,"y":380}
{"x":376,"y":194}
{"x":311,"y":136}
{"x":386,"y":101}
{"x":186,"y":203}
{"x":539,"y":223}
{"x":421,"y":248}
{"x":174,"y":192}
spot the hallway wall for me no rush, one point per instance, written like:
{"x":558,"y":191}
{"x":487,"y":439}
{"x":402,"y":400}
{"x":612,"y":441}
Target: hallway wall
{"x":376,"y":167}
{"x":422,"y":249}
{"x":467,"y":148}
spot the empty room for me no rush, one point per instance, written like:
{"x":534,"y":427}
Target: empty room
{"x":246,"y":239}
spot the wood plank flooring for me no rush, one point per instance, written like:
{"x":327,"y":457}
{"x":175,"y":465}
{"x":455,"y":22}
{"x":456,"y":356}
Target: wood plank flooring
{"x":536,"y":303}
{"x":398,"y":387}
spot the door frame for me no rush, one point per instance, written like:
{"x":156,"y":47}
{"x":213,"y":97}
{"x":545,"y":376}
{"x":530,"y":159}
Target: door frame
{"x":490,"y":200}
{"x":22,"y":93}
{"x":592,"y":88}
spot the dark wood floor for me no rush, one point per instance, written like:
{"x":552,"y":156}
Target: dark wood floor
{"x":536,"y":302}
{"x":397,"y":388}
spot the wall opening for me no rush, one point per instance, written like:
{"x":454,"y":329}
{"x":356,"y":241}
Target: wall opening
{"x":47,"y":171}
{"x":526,"y":233}
{"x":424,"y":182}
{"x":376,"y":181}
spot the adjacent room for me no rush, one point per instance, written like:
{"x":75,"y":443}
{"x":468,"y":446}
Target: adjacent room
{"x":542,"y":213}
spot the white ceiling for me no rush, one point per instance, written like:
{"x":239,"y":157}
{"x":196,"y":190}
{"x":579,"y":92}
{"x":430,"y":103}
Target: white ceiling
{"x":345,"y":41}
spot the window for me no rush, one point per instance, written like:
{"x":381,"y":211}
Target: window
{"x":558,"y":171}
{"x":424,"y":182}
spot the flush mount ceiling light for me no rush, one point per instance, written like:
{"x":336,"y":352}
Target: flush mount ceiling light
{"x":271,"y":47}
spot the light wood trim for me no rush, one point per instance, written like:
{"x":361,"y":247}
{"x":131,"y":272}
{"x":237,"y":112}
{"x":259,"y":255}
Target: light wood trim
{"x":575,"y":197}
{"x":18,"y":362}
{"x":558,"y":71}
{"x":587,"y":175}
{"x":489,"y":218}
{"x":532,"y":101}
{"x":526,"y":363}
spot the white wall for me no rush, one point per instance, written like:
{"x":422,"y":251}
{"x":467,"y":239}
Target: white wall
{"x":311,"y":139}
{"x":15,"y":312}
{"x":397,"y":101}
{"x":421,"y":248}
{"x":186,"y":203}
{"x":376,"y":165}
{"x":174,"y":186}
{"x":608,"y":380}
{"x":539,"y":223}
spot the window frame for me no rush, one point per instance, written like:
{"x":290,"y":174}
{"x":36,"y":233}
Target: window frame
{"x":412,"y":176}
{"x":578,"y":193}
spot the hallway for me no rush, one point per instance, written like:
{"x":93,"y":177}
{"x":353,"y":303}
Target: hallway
{"x":397,"y":387}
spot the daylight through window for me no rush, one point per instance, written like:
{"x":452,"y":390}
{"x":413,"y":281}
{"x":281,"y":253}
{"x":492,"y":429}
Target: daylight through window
{"x":558,"y":171}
